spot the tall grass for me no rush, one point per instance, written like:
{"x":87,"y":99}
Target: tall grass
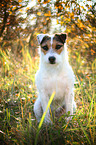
{"x":18,"y":93}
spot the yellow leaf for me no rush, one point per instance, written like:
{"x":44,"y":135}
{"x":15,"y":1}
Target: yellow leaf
{"x":47,"y":18}
{"x":87,"y":77}
{"x":27,"y":8}
{"x":82,"y":7}
{"x":20,"y":10}
{"x":72,"y":15}
{"x":39,"y":13}
{"x":10,"y":12}
{"x":81,"y":25}
{"x":19,"y":1}
{"x":92,"y":51}
{"x":61,"y":23}
{"x":57,"y":21}
{"x":62,"y":16}
{"x":13,"y":8}
{"x":48,"y":14}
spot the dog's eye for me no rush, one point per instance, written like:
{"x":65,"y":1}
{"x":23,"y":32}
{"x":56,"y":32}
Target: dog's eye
{"x":45,"y":47}
{"x":58,"y":46}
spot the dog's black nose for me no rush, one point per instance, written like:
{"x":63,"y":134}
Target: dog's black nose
{"x":52,"y":59}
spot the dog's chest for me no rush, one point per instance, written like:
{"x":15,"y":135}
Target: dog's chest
{"x":55,"y":83}
{"x":50,"y":83}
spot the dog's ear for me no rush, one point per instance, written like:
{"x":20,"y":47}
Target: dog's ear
{"x":40,"y":37}
{"x":61,"y":37}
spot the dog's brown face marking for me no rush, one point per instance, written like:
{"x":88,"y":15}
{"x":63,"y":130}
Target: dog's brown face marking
{"x":56,"y":43}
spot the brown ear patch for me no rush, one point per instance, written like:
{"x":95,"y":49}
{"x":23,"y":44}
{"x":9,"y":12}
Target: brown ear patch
{"x":45,"y":39}
{"x":60,"y":37}
{"x":45,"y":46}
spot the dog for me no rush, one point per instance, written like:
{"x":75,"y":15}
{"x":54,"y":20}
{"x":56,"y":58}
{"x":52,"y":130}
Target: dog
{"x":54,"y":74}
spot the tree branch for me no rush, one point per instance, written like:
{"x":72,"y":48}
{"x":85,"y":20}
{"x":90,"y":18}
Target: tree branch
{"x":6,"y":14}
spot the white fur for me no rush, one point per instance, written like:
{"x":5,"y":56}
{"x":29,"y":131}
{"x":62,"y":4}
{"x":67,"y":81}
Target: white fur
{"x":57,"y":77}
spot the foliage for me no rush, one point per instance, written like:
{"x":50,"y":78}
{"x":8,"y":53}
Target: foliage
{"x":22,"y":21}
{"x":10,"y":19}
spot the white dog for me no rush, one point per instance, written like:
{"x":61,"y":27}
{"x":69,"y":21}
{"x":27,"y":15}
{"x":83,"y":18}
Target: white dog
{"x":54,"y":74}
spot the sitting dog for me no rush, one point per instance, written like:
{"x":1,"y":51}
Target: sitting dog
{"x":54,"y":74}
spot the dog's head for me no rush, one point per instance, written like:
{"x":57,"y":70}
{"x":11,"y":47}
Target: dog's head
{"x":52,"y":47}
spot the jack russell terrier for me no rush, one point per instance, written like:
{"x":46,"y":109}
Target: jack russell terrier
{"x":54,"y":74}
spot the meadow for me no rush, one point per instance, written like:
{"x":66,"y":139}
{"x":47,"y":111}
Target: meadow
{"x":18,"y":125}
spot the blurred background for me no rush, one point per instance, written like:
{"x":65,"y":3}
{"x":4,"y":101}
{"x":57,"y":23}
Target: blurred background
{"x":22,"y":20}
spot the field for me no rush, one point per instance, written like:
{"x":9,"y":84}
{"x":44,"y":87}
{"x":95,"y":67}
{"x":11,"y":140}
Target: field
{"x":18,"y":125}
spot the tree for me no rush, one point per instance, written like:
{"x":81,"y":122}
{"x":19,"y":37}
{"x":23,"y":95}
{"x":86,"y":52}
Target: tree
{"x":8,"y":16}
{"x":78,"y":19}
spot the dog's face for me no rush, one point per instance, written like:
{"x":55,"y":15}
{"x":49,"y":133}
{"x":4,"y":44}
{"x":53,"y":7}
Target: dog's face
{"x":52,"y":47}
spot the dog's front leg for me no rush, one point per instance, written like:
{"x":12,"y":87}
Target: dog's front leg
{"x":38,"y":109}
{"x":44,"y":100}
{"x":69,"y":99}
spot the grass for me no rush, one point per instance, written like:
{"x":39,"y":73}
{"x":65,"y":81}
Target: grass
{"x":18,"y":93}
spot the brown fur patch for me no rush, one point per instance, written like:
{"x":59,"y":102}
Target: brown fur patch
{"x":53,"y":46}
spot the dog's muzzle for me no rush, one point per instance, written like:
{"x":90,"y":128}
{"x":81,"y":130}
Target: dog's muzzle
{"x":52,"y":60}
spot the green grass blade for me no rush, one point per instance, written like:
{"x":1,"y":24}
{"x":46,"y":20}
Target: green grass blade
{"x":84,"y":132}
{"x":43,"y":116}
